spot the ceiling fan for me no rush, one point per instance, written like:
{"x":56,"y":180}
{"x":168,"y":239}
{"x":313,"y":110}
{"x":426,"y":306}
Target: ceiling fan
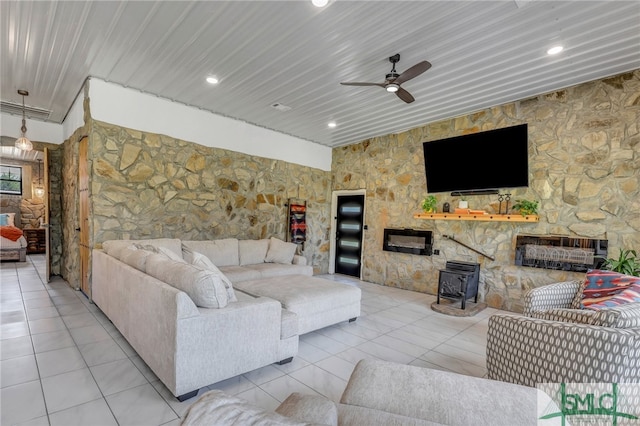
{"x":393,"y":80}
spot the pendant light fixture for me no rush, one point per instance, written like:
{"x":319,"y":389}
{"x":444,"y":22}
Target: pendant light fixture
{"x":22,"y":142}
{"x":39,"y":190}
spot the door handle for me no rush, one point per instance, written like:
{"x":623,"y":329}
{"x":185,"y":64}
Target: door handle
{"x":78,"y":229}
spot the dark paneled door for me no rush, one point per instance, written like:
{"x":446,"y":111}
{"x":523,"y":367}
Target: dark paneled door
{"x":349,"y":226}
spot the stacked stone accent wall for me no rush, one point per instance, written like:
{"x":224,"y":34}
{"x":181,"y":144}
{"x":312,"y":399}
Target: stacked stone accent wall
{"x":146,"y":185}
{"x":584,"y":166}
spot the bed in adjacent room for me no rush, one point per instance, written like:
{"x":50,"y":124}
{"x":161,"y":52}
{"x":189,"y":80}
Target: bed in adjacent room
{"x":13,"y":245}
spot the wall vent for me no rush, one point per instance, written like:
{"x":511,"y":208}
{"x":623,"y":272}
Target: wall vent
{"x":30,"y":112}
{"x":281,"y":107}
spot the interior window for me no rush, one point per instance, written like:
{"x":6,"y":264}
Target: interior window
{"x":10,"y":180}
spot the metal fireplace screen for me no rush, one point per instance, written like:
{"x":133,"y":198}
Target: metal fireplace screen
{"x":564,"y":253}
{"x":408,"y":241}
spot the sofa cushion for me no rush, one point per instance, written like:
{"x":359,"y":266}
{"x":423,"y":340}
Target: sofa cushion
{"x":252,"y":251}
{"x":240,"y":273}
{"x":205,"y":288}
{"x":218,"y":408}
{"x":289,"y":324}
{"x":221,"y":252}
{"x":602,"y":285}
{"x":160,"y":250}
{"x":280,"y":252}
{"x":267,"y":270}
{"x":135,"y":257}
{"x":199,"y":259}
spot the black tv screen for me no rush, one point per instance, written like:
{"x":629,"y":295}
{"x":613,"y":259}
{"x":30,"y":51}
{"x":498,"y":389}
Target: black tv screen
{"x":490,"y":160}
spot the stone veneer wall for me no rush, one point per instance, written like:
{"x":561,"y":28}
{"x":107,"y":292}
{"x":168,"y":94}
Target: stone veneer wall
{"x":584,"y":165}
{"x":146,"y":185}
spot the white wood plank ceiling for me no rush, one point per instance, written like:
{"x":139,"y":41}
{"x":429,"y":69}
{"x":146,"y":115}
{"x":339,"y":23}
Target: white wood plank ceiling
{"x":484,"y":53}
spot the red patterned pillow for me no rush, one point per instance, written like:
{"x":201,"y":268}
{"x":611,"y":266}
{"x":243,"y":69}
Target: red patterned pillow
{"x":600,"y":285}
{"x":630,"y":295}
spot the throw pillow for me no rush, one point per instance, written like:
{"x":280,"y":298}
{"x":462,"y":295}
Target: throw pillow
{"x":160,"y":250}
{"x":280,"y":252}
{"x":115,"y":248}
{"x":629,"y":295}
{"x":202,"y":261}
{"x":8,"y":219}
{"x":601,"y":285}
{"x":204,"y":287}
{"x":135,"y":257}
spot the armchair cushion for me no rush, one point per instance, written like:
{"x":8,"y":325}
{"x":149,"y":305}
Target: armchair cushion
{"x":576,"y":316}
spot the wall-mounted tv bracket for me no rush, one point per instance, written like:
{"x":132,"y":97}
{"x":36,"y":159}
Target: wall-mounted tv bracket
{"x":452,"y":238}
{"x":475,"y":192}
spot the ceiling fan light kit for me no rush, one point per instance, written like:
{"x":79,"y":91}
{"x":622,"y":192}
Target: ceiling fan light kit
{"x":22,"y":142}
{"x":393,"y":80}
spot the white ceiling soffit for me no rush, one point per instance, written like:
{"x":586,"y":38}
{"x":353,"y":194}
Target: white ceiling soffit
{"x":13,"y":153}
{"x":484,"y":53}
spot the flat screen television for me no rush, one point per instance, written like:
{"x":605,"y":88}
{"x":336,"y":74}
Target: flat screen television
{"x":480,"y":162}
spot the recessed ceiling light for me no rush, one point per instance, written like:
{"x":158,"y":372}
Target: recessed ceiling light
{"x":555,"y":50}
{"x":212,"y":79}
{"x":320,"y":3}
{"x":332,"y":124}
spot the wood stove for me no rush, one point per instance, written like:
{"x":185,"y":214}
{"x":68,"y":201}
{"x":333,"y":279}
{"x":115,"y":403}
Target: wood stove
{"x":459,"y":281}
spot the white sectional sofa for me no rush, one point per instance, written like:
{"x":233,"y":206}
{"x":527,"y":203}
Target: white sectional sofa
{"x":175,"y":303}
{"x":381,"y":393}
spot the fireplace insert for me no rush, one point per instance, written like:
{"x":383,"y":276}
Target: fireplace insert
{"x":412,"y":241}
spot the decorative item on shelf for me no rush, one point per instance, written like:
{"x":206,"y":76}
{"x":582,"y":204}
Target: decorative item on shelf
{"x":525,"y":207}
{"x":501,"y":198}
{"x":39,"y":189}
{"x":446,"y":208}
{"x":429,"y":204}
{"x":627,"y":263}
{"x":463,"y":203}
{"x":22,"y":142}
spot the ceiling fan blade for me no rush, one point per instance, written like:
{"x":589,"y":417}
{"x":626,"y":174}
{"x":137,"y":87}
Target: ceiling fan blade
{"x":412,"y":72}
{"x":362,"y":84}
{"x":405,"y":96}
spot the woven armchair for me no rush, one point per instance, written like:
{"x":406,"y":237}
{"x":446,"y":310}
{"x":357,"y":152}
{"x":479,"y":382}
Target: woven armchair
{"x":555,"y":343}
{"x":529,"y":351}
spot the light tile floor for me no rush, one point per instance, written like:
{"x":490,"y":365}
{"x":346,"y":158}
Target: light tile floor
{"x":63,"y":363}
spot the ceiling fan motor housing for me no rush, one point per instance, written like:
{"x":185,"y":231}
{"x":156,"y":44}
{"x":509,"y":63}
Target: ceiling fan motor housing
{"x":392,"y":76}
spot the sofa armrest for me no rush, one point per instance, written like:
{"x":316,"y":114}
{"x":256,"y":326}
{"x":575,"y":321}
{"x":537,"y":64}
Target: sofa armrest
{"x":529,"y":351}
{"x":218,"y":408}
{"x":309,"y":408}
{"x":551,"y":296}
{"x":299,"y":260}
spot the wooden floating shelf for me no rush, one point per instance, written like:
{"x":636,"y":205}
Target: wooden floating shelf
{"x":478,"y":217}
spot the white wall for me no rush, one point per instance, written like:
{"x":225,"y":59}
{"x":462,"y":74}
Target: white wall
{"x":75,"y":118}
{"x":133,"y":109}
{"x":40,"y":131}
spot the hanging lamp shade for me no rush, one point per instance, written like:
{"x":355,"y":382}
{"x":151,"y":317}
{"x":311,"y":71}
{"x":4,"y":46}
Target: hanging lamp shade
{"x":39,"y":190}
{"x":22,"y":142}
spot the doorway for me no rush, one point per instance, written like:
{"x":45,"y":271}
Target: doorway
{"x":347,"y":236}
